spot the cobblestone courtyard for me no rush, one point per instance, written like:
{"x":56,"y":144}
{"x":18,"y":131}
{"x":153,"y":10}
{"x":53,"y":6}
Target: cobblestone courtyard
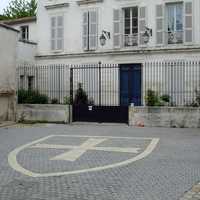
{"x":98,"y":162}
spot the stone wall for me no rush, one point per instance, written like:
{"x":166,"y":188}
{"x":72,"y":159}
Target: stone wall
{"x":8,"y":43}
{"x":43,"y":113}
{"x":180,"y":117}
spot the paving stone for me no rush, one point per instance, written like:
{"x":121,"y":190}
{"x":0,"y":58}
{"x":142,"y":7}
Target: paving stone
{"x":166,"y":174}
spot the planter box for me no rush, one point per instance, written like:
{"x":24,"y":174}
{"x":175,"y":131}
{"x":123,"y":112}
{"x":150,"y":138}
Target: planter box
{"x":180,"y":117}
{"x":51,"y":113}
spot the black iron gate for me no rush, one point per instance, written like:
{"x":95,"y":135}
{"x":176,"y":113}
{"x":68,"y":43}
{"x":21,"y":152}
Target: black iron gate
{"x":95,"y":93}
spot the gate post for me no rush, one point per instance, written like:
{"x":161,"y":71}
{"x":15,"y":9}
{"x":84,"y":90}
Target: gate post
{"x":99,"y":83}
{"x":71,"y":96}
{"x":71,"y":85}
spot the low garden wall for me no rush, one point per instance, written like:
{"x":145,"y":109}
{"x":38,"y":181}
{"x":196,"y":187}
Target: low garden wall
{"x":180,"y":117}
{"x":52,"y":113}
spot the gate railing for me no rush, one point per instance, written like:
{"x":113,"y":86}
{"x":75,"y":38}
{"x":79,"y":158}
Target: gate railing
{"x":179,"y":79}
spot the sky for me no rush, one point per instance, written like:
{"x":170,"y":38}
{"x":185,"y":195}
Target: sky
{"x":3,"y":4}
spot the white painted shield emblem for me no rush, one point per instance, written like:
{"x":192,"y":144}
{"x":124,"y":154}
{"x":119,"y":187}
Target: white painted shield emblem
{"x":58,"y":155}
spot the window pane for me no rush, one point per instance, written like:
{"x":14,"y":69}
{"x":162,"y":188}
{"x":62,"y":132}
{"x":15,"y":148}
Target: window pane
{"x":171,"y":17}
{"x":135,"y":22}
{"x":135,"y":12}
{"x":127,"y":12}
{"x":179,"y":17}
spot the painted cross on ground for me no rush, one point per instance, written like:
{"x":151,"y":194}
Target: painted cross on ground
{"x":76,"y":152}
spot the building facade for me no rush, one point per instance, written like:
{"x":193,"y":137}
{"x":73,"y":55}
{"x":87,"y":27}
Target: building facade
{"x":154,"y":43}
{"x":27,"y":38}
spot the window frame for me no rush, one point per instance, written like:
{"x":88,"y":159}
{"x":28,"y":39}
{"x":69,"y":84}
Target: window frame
{"x":55,"y":28}
{"x":166,"y":17}
{"x":88,"y":24}
{"x":131,"y":25}
{"x":24,"y":30}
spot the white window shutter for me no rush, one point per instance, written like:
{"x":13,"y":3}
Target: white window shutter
{"x":142,"y":24}
{"x":53,"y":33}
{"x":160,"y":25}
{"x":117,"y":33}
{"x":93,"y":30}
{"x":85,"y":30}
{"x":188,"y":34}
{"x":60,"y":34}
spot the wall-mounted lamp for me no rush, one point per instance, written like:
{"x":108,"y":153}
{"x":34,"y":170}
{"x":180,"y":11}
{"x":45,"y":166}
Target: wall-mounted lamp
{"x":104,"y":36}
{"x":147,"y":34}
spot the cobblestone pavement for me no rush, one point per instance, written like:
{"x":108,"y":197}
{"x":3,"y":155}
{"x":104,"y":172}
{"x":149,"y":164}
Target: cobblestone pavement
{"x":165,"y":173}
{"x":193,"y":194}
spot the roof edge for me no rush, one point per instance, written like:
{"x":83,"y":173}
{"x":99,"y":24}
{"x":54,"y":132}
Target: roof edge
{"x":19,"y":20}
{"x":8,"y":27}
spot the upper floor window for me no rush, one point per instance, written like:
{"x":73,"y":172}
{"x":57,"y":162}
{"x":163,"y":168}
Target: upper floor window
{"x":90,"y":30}
{"x":131,"y":26}
{"x":57,"y":33}
{"x":24,"y":31}
{"x":175,"y":23}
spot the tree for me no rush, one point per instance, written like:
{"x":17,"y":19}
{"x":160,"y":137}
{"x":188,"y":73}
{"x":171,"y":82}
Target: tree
{"x":20,"y":8}
{"x":3,"y":17}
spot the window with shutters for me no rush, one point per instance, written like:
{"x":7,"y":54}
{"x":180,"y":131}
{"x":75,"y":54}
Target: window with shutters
{"x":174,"y":23}
{"x":57,"y":33}
{"x":130,"y":26}
{"x":90,"y":30}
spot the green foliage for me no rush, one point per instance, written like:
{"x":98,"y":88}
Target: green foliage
{"x":196,"y":102}
{"x":153,"y":99}
{"x":67,"y":100}
{"x":3,"y":17}
{"x":197,"y":97}
{"x":54,"y":101}
{"x":81,"y":96}
{"x":20,"y":8}
{"x":31,"y":97}
{"x":165,"y":98}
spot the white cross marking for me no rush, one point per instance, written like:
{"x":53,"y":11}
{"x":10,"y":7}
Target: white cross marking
{"x":77,"y":151}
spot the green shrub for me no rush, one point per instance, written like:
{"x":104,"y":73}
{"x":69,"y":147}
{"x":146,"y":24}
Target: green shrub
{"x":54,"y":101}
{"x":152,"y":99}
{"x":165,"y":98}
{"x":67,"y":100}
{"x":31,"y":97}
{"x":197,"y":92}
{"x":80,"y":96}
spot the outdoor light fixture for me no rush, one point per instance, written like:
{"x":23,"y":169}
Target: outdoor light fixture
{"x":147,"y":34}
{"x":104,"y":36}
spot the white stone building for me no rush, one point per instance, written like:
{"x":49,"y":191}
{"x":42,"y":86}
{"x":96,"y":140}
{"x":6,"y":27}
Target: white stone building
{"x":160,"y":39}
{"x":156,"y":41}
{"x":27,"y":38}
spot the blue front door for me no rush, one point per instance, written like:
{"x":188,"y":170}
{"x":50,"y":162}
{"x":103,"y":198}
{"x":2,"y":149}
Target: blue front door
{"x":130,"y":84}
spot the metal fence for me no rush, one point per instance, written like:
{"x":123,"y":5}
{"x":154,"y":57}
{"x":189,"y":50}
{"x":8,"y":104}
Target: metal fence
{"x":50,"y":80}
{"x":180,"y":80}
